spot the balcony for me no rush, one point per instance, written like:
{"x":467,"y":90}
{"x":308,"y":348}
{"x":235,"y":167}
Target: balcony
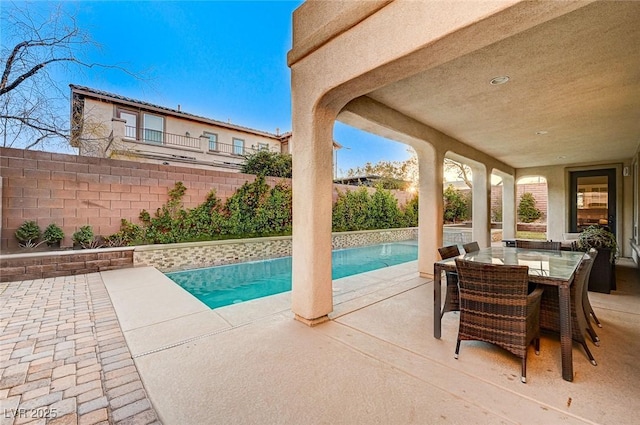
{"x":202,"y":144}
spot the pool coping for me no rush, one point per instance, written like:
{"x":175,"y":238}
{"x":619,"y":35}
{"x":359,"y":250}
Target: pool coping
{"x":159,"y":314}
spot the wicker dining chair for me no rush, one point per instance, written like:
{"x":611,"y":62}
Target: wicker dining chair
{"x":471,"y":247}
{"x":586,"y":304}
{"x":495,"y":307}
{"x":451,"y":302}
{"x":550,"y":311}
{"x":544,"y":245}
{"x":590,"y":314}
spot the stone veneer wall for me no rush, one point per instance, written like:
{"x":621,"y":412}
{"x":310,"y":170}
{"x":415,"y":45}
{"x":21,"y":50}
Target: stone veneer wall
{"x":63,"y":263}
{"x":184,"y":256}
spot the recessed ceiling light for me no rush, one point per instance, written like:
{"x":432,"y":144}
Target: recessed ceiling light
{"x":496,"y":81}
{"x":541,"y":132}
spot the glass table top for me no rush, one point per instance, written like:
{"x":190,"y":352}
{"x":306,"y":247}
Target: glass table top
{"x":551,"y":264}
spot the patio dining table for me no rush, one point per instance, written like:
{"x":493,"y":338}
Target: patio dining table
{"x":549,"y":268}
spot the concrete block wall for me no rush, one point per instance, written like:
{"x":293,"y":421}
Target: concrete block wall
{"x":73,"y":191}
{"x":53,"y":264}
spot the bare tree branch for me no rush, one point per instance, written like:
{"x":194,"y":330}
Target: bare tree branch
{"x":34,"y":107}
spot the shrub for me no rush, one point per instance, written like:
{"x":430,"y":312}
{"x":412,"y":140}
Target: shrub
{"x":496,"y":215}
{"x":357,"y":210}
{"x":267,"y":163}
{"x":384,"y":212}
{"x":128,"y":234}
{"x":28,"y":233}
{"x":205,"y":220}
{"x":166,"y":225}
{"x":456,"y":205}
{"x":410,"y":214}
{"x":256,"y":209}
{"x":85,"y":238}
{"x":53,"y":234}
{"x":351,"y":211}
{"x":527,"y":211}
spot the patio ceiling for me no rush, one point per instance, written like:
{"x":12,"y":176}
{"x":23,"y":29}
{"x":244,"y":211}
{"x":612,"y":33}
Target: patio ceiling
{"x":576,"y":78}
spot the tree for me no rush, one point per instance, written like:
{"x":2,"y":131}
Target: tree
{"x":456,"y":205}
{"x":394,"y":174}
{"x":33,"y":106}
{"x":527,"y":211}
{"x":462,"y":171}
{"x":267,"y":163}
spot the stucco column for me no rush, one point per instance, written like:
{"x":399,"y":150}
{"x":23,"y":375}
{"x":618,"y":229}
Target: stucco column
{"x":508,"y":207}
{"x":430,"y":207}
{"x":556,"y":202}
{"x":481,"y":204}
{"x":312,"y":292}
{"x":117,"y":134}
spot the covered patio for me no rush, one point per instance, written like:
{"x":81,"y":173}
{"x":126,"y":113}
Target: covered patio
{"x":154,"y":352}
{"x":510,"y":88}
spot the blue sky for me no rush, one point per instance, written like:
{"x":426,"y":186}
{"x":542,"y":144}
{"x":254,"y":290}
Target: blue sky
{"x":223,"y":60}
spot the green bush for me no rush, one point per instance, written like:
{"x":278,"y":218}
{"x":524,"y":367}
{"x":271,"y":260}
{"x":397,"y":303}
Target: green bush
{"x":527,"y":211}
{"x":496,"y":215}
{"x":267,"y":163}
{"x":204,"y":221}
{"x":384,"y":212}
{"x":166,"y":226}
{"x":410,"y":213}
{"x":84,"y":237}
{"x":456,"y":205}
{"x":28,"y":233}
{"x":53,"y":234}
{"x":255,"y":209}
{"x":351,"y":211}
{"x":357,"y":210}
{"x":129,"y":234}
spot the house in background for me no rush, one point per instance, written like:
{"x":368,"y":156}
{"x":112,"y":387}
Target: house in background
{"x":108,"y":125}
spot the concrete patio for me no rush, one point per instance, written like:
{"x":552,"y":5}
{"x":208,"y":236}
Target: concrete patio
{"x":375,"y":361}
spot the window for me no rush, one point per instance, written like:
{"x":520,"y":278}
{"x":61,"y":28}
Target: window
{"x":263,"y":147}
{"x":153,"y":127}
{"x":238,"y":146}
{"x":130,"y":125}
{"x":213,"y":141}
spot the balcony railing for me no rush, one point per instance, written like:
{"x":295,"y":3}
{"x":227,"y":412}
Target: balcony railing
{"x":168,"y":139}
{"x":231,"y":149}
{"x":162,"y":138}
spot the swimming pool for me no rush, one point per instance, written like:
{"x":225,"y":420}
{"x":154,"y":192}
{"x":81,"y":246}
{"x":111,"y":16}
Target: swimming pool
{"x":224,"y":285}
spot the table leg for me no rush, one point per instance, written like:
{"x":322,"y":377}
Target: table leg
{"x":437,"y":328}
{"x":566,"y":342}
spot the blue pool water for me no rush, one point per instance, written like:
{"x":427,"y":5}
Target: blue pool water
{"x":224,"y":285}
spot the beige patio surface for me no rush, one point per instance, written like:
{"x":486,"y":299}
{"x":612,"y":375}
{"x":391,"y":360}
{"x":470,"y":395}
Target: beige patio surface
{"x":375,"y":361}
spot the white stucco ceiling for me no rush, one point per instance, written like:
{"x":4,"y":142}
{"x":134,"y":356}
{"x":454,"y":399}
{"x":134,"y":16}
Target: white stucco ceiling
{"x":577,"y":78}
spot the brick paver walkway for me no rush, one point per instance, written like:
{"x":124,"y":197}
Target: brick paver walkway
{"x":63,"y":357}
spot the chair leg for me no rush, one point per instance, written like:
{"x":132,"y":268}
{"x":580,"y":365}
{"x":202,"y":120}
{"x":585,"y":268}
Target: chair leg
{"x":536,"y":343}
{"x":586,"y":349}
{"x":592,"y":334}
{"x":457,"y":349}
{"x":523,"y":378}
{"x":595,"y":318}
